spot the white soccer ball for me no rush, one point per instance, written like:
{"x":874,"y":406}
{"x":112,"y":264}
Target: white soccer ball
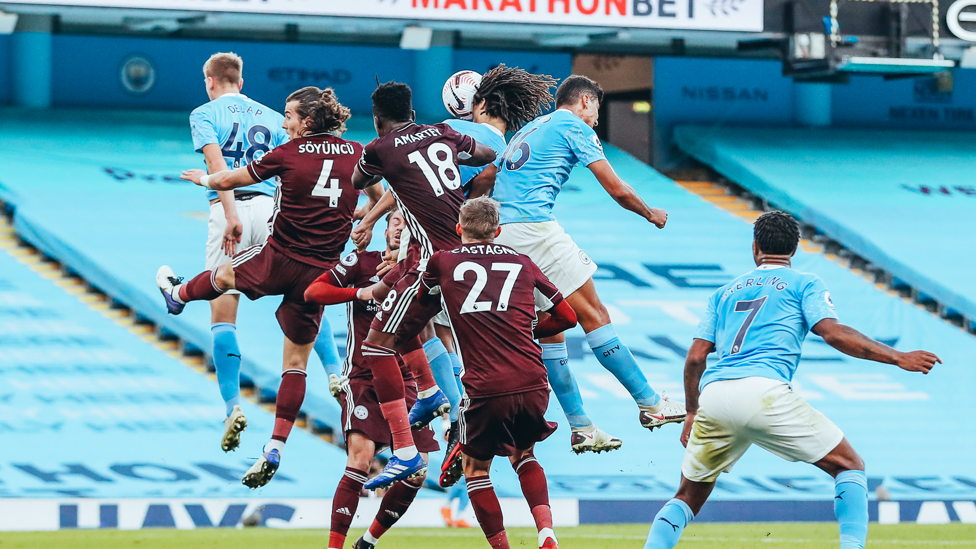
{"x":458,"y":93}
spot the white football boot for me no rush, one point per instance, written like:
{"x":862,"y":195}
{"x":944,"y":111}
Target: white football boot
{"x":234,"y":425}
{"x":593,"y":439}
{"x":665,"y":411}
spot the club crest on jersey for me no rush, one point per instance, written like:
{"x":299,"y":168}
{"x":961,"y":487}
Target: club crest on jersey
{"x":585,"y":258}
{"x":828,"y":299}
{"x":361,"y":412}
{"x":350,"y":259}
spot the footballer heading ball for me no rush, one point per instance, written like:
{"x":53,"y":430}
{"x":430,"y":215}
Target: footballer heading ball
{"x":458,"y":93}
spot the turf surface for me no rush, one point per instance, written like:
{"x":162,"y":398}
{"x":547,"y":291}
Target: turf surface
{"x":702,"y":536}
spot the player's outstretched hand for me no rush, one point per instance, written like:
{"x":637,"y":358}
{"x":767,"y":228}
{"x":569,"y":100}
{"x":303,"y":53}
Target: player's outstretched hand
{"x":232,"y":235}
{"x":658,"y":217}
{"x":918,"y":361}
{"x":361,"y":235}
{"x":193,"y":175}
{"x":686,"y":429}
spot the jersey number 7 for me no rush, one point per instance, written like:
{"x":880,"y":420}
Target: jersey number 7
{"x":752,"y":307}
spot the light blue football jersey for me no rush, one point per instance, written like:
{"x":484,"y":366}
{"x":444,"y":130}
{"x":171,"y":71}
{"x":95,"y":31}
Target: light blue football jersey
{"x":758,"y":323}
{"x":485,"y":134}
{"x":537,"y":163}
{"x":244,"y":129}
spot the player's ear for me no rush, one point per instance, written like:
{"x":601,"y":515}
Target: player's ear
{"x":413,"y":115}
{"x":498,"y":231}
{"x":460,"y":232}
{"x":240,"y":84}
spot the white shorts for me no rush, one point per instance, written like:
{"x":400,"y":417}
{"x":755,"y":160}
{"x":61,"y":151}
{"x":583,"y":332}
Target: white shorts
{"x":734,"y":414}
{"x":549,"y":247}
{"x":442,"y":318}
{"x":254,"y":215}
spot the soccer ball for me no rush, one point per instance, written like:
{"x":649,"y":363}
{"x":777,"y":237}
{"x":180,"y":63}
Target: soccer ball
{"x":458,"y":93}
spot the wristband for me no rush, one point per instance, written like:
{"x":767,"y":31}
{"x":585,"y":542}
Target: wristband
{"x":205,"y":180}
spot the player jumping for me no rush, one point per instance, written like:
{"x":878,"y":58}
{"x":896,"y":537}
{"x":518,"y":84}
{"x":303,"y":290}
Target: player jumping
{"x":507,"y":99}
{"x":757,"y":323}
{"x":366,"y":431}
{"x":311,"y":223}
{"x":491,"y":293}
{"x":420,"y":163}
{"x":526,"y":178}
{"x":231,"y":131}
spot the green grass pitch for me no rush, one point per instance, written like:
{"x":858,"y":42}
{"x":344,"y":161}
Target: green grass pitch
{"x":698,"y":536}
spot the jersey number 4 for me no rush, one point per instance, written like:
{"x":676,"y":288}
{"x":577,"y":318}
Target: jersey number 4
{"x":471,"y":303}
{"x":752,"y":307}
{"x":326,"y":186}
{"x":447,"y":174}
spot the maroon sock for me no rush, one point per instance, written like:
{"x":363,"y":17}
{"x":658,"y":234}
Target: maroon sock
{"x":387,"y":379}
{"x":417,"y":362}
{"x":487,"y":509}
{"x":291,"y":393}
{"x":499,"y":540}
{"x":344,"y":505}
{"x":535,"y":489}
{"x":202,"y":287}
{"x":395,"y":503}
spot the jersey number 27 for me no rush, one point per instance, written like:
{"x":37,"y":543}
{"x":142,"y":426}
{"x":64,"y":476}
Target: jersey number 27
{"x":471,"y":303}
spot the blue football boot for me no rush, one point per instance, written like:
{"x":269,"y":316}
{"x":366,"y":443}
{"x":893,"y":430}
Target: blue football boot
{"x":426,"y":409}
{"x":263,"y":469}
{"x":166,"y":281}
{"x":397,"y":470}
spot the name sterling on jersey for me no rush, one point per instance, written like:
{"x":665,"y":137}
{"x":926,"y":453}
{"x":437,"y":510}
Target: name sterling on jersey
{"x":326,"y":148}
{"x":774,"y":281}
{"x":415,"y":137}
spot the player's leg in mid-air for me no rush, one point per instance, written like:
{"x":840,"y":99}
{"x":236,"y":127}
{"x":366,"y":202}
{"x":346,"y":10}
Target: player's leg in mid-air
{"x":327,"y":351}
{"x":735,"y":414}
{"x":617,"y":358}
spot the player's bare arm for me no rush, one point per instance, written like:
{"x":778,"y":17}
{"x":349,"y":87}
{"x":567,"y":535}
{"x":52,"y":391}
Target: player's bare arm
{"x":852,"y":342}
{"x":235,"y":229}
{"x":226,"y":180}
{"x":360,"y":180}
{"x":625,"y":195}
{"x":694,"y":368}
{"x":483,"y":154}
{"x":383,"y":202}
{"x":484,"y":182}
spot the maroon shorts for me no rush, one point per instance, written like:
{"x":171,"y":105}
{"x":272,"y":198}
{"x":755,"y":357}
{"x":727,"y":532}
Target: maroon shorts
{"x":361,"y":412}
{"x":498,"y":426}
{"x":401,"y":313}
{"x":263,"y":270}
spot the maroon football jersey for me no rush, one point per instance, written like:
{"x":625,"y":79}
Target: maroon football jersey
{"x":358,"y":270}
{"x":492,"y":293}
{"x":315,"y":198}
{"x":421,"y":165}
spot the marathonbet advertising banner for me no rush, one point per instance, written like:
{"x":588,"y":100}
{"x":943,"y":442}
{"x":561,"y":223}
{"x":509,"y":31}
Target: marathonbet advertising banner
{"x":730,"y":15}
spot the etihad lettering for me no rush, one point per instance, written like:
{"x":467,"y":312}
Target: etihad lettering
{"x":409,"y":138}
{"x":326,"y":148}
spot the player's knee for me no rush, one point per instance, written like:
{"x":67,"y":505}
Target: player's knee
{"x":225,"y":277}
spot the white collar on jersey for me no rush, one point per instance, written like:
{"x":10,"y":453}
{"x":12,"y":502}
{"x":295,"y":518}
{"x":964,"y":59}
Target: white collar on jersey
{"x":769,"y":267}
{"x":494,"y":129}
{"x":233,"y":94}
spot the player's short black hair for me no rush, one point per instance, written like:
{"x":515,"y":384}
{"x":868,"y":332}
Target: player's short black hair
{"x":575,"y":87}
{"x":393,"y":101}
{"x":514,"y":95}
{"x":777,"y":233}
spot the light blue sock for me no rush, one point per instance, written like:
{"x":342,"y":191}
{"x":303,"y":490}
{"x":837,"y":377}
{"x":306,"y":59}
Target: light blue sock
{"x":556,"y":359}
{"x":668,"y":525}
{"x":619,"y":361}
{"x":443,"y":370}
{"x":851,"y":508}
{"x":227,"y":362}
{"x":456,"y":363}
{"x":325,"y":347}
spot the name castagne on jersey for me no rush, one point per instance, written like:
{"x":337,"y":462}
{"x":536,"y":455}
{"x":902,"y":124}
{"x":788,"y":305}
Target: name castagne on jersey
{"x":485,"y":249}
{"x":773,"y":281}
{"x":326,"y":148}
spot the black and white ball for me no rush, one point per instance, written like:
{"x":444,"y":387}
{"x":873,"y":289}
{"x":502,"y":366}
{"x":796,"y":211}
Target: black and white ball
{"x":458,"y":93}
